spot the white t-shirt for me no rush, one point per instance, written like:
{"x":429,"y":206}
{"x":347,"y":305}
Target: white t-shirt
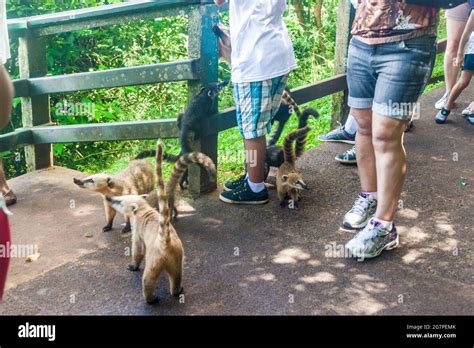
{"x":4,"y":44}
{"x":261,"y":46}
{"x":470,"y":45}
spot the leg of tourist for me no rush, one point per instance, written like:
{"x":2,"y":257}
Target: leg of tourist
{"x":455,"y":23}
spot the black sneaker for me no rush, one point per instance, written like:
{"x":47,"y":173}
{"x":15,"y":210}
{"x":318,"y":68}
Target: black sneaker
{"x":244,"y":195}
{"x":232,"y":185}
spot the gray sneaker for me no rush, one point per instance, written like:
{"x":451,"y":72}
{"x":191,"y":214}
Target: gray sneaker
{"x":372,"y":240}
{"x":361,"y":212}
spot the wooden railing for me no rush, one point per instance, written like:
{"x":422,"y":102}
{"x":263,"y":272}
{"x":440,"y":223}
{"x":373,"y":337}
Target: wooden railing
{"x":34,"y":86}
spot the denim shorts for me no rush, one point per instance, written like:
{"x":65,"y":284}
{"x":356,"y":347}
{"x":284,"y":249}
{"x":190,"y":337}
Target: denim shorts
{"x":389,"y":78}
{"x":468,"y":62}
{"x":256,"y":103}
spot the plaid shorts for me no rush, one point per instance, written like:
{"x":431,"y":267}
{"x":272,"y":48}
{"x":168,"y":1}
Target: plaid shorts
{"x":256,"y":103}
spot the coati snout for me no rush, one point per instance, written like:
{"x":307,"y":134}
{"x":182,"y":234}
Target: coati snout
{"x":212,"y":90}
{"x":95,"y":182}
{"x":127,"y":205}
{"x":294,"y":180}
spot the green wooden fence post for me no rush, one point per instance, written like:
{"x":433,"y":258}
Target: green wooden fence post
{"x":343,"y":33}
{"x":35,"y":110}
{"x":202,"y":44}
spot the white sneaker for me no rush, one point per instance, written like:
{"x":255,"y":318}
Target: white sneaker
{"x":440,"y":103}
{"x":469,"y":110}
{"x":361,"y":212}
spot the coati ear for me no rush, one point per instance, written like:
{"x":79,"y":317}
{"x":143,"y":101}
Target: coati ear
{"x":211,"y":94}
{"x":144,"y":196}
{"x":110,"y":182}
{"x":284,"y":177}
{"x":134,"y":207}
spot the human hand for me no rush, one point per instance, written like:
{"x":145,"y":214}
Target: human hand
{"x":458,"y":62}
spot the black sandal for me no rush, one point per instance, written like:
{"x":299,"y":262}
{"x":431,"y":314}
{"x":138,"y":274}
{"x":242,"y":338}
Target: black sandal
{"x":10,"y":201}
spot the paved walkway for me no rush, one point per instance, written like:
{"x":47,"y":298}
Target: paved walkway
{"x":263,"y":260}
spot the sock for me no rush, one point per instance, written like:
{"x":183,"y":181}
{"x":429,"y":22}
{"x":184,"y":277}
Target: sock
{"x":388,"y":225}
{"x":370,"y":195}
{"x":256,"y":187}
{"x":445,"y":112}
{"x":351,"y":125}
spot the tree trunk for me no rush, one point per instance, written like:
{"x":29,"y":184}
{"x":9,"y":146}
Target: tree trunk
{"x":317,"y":9}
{"x":299,"y":11}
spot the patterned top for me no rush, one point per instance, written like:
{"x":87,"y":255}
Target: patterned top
{"x":383,"y":21}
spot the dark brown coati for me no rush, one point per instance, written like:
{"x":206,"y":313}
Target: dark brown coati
{"x":189,"y":123}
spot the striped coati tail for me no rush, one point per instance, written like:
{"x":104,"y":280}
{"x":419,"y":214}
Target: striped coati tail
{"x":165,"y":216}
{"x":152,"y":153}
{"x":288,"y":99}
{"x":288,"y":144}
{"x":146,"y":154}
{"x":181,"y":166}
{"x":303,"y":122}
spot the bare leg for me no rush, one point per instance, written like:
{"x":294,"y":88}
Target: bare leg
{"x":458,"y":88}
{"x":390,"y":162}
{"x":6,"y":97}
{"x":455,"y":30}
{"x":256,"y":150}
{"x":365,"y":150}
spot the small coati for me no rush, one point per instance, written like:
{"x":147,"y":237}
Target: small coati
{"x":275,"y":155}
{"x":189,"y":123}
{"x":287,"y":107}
{"x":153,"y":235}
{"x":289,"y":181}
{"x":138,"y":178}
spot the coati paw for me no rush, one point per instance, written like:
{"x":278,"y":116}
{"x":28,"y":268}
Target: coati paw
{"x":107,"y":228}
{"x":282,"y":204}
{"x":153,"y":300}
{"x":126,"y":229}
{"x":178,"y":293}
{"x":133,"y":268}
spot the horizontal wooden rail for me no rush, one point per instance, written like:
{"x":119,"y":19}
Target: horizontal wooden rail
{"x":99,"y":16}
{"x":140,"y":75}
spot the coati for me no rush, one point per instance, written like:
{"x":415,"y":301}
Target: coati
{"x":289,"y":181}
{"x":153,"y":235}
{"x":189,"y":122}
{"x":274,"y":156}
{"x":136,"y":179}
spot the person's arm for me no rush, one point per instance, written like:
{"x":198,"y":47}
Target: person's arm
{"x":459,"y":60}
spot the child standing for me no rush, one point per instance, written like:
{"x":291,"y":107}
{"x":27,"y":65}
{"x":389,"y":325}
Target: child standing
{"x":262,"y":57}
{"x":466,"y":61}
